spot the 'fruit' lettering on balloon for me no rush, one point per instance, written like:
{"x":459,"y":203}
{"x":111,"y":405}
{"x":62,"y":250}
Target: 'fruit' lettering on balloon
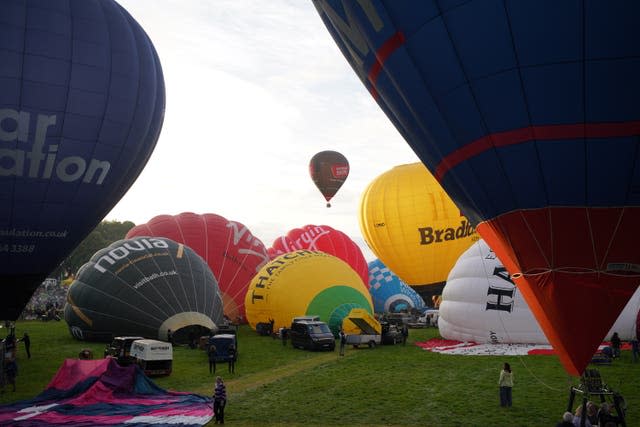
{"x":14,"y":126}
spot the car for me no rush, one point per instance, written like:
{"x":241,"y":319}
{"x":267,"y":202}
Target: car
{"x":391,"y":333}
{"x":311,"y":335}
{"x":120,"y":348}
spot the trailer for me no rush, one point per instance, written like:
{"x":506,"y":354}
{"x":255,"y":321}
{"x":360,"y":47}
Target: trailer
{"x":361,"y":328}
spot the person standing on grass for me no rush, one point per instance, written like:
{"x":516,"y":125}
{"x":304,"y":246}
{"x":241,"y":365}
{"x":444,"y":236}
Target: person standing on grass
{"x":405,"y":334}
{"x":232,"y":359}
{"x":343,"y":341}
{"x":219,"y":400}
{"x":27,"y":344}
{"x":635,"y":352}
{"x":212,"y":353}
{"x":506,"y":384}
{"x":616,"y":343}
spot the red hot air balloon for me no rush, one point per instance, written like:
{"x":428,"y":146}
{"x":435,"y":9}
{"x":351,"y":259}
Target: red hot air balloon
{"x":329,"y":170}
{"x":231,"y":251}
{"x":324,"y":239}
{"x":527,"y":113}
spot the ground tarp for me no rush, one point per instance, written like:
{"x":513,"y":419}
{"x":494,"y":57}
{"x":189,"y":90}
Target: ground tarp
{"x":103,"y":393}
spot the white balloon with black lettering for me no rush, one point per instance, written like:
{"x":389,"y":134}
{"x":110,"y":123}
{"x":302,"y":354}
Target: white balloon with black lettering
{"x":480,"y":303}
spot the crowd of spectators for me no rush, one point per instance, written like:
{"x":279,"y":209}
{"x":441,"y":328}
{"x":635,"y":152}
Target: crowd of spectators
{"x":47,"y":301}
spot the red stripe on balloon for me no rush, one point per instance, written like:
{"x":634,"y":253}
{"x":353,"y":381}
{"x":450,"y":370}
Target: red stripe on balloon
{"x":539,"y":133}
{"x":387,"y":48}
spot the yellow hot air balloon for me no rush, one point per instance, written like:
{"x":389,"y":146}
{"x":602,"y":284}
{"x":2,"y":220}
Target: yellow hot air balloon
{"x":304,"y":283}
{"x":413,"y":226}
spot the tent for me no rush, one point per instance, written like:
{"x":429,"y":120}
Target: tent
{"x":102,"y":393}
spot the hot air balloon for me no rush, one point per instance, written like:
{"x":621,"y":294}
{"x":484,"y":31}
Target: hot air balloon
{"x":329,"y":170}
{"x":526,"y":112}
{"x":480,"y":303}
{"x":231,"y":251}
{"x":81,"y":106}
{"x":304,"y":283}
{"x":413,"y":227}
{"x":326,"y":239}
{"x":143,"y":286}
{"x":389,"y":293}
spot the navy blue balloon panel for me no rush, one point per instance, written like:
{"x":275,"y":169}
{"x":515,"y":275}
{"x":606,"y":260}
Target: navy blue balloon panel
{"x":527,"y":113}
{"x":81,"y":107}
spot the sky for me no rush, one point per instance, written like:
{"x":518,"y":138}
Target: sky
{"x":254,"y":89}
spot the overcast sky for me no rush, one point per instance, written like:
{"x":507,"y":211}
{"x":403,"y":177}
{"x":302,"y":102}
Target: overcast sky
{"x":254,"y":89}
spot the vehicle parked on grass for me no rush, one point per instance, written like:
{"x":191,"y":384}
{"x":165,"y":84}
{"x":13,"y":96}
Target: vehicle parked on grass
{"x":222,"y":342}
{"x":361,"y":328}
{"x":311,"y":335}
{"x":154,"y":357}
{"x":391,"y":333}
{"x":120,"y":348}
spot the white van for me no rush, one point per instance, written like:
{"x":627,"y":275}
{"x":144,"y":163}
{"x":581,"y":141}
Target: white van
{"x":154,"y":357}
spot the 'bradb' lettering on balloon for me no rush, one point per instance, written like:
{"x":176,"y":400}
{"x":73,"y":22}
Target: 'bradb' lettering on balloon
{"x":430,"y":235}
{"x":15,"y":125}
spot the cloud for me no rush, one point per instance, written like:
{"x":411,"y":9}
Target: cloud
{"x":254,"y":90}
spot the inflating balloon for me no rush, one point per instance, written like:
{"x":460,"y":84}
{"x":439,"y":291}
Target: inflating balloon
{"x":480,"y":303}
{"x":305,"y":283}
{"x":231,"y":251}
{"x":413,"y":226}
{"x":81,"y":106}
{"x":143,"y":286}
{"x":526,"y":112}
{"x":329,"y":170}
{"x":389,"y":293}
{"x":325,"y":239}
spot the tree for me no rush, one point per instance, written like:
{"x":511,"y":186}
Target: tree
{"x":102,"y":236}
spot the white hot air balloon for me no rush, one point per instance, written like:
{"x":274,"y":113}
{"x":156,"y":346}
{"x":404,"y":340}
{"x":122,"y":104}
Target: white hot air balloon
{"x":480,"y":303}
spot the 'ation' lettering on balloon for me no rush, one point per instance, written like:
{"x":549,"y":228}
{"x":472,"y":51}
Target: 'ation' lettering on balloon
{"x":15,"y":126}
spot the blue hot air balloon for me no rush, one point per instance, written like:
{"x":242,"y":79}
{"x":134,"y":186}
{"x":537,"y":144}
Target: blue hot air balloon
{"x":81,"y":107}
{"x":527,"y":113}
{"x":389,"y":293}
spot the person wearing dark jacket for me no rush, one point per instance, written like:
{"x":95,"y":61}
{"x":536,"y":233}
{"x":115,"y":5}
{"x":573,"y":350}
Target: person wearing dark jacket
{"x":231,"y":351}
{"x":219,"y":400}
{"x":616,"y":343}
{"x":212,"y":353}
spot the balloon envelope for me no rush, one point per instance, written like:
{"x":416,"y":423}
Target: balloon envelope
{"x":527,"y":113}
{"x":480,"y":303}
{"x":329,"y":170}
{"x":231,"y":251}
{"x":388,"y":292}
{"x":325,"y":239}
{"x":81,"y":107}
{"x":305,"y":283}
{"x":413,"y":226}
{"x":143,"y":286}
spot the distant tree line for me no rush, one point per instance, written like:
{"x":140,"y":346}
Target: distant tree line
{"x":102,"y":236}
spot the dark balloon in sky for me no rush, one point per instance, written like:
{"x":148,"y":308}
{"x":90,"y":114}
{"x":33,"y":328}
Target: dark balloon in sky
{"x":329,"y":170}
{"x":81,"y":107}
{"x":527,"y":113}
{"x":143,"y":286}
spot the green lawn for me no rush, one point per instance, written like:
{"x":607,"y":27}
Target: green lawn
{"x":389,"y":385}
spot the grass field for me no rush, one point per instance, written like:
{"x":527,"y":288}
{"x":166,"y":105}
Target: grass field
{"x":390,"y":385}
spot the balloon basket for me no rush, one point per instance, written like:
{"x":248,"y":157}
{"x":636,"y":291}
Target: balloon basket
{"x":328,"y":205}
{"x":591,"y":386}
